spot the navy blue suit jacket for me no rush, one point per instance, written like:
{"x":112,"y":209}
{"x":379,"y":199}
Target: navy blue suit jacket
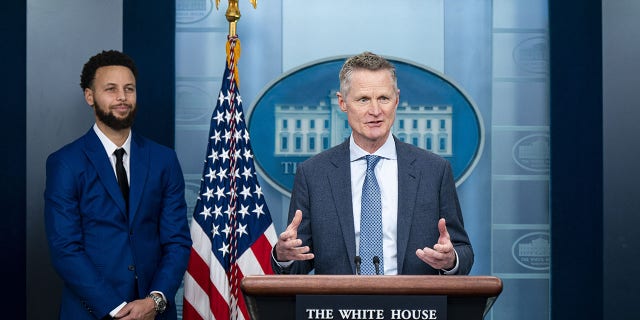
{"x":104,"y":255}
{"x":426,"y":193}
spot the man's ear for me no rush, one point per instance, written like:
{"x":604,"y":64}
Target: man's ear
{"x":88,"y":96}
{"x":341,"y":102}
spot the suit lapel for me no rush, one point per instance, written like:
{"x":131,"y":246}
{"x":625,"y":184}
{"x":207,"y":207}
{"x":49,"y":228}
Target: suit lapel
{"x":100,"y":160}
{"x":340,"y":181}
{"x":407,"y":192}
{"x":139,"y":166}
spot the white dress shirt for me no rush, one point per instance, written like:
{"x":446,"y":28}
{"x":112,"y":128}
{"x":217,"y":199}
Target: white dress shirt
{"x":110,"y":148}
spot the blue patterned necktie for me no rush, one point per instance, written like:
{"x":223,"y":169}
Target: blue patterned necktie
{"x":371,"y":220}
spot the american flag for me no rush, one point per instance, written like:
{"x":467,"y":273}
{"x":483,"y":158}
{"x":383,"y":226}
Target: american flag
{"x":232,"y":230}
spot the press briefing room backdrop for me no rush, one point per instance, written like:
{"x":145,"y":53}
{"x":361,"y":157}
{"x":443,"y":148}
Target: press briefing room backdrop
{"x":550,"y":201}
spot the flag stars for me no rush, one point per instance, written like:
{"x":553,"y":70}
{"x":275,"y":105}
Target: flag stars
{"x":246,"y":192}
{"x":238,"y":116}
{"x":228,"y":97}
{"x":214,"y":231}
{"x":211,"y":175}
{"x":226,"y":231}
{"x":229,"y":212}
{"x":237,"y":135}
{"x":219,"y":117}
{"x":224,"y":249}
{"x":258,"y":211}
{"x":258,"y":191}
{"x":246,"y":136}
{"x":224,"y":155}
{"x":222,"y":174}
{"x":216,"y":136}
{"x":206,"y":212}
{"x":242,"y":229}
{"x":227,"y":136}
{"x":246,"y":172}
{"x":247,"y":154}
{"x":236,"y":174}
{"x":237,"y":155}
{"x":228,"y":115}
{"x":238,"y":99}
{"x":244,"y":210}
{"x":208,"y":194}
{"x":220,"y":98}
{"x":217,"y":211}
{"x":219,"y":192}
{"x":231,"y":193}
{"x":213,"y":156}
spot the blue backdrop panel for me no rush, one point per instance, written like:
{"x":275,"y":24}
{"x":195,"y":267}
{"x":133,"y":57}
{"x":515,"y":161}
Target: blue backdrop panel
{"x":13,"y":26}
{"x":576,"y":163}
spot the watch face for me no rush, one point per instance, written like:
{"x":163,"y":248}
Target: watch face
{"x":162,"y":305}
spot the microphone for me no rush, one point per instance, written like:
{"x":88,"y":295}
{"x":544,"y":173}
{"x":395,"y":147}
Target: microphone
{"x":376,"y":264}
{"x":358,"y":261}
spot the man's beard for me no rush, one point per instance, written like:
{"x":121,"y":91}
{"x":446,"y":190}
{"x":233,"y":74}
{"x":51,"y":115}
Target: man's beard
{"x":110,"y":119}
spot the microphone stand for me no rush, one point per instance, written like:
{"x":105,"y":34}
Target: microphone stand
{"x":376,"y":264}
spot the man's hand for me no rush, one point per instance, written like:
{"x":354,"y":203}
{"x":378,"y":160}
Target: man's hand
{"x":289,"y":246}
{"x":142,"y":309}
{"x":442,"y":256}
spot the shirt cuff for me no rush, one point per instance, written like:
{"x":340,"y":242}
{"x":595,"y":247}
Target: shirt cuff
{"x":117,"y":309}
{"x":281,"y":264}
{"x":455,"y":268}
{"x":161,"y":294}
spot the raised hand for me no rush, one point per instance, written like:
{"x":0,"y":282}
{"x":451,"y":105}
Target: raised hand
{"x":442,"y":256}
{"x":289,"y":246}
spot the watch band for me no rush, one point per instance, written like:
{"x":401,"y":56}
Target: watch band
{"x":161,"y":305}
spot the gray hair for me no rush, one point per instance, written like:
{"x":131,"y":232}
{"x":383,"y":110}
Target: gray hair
{"x":364,"y":61}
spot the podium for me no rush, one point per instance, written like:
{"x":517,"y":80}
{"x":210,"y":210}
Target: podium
{"x":274,"y":296}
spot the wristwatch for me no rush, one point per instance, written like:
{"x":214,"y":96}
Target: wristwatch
{"x":161,"y":305}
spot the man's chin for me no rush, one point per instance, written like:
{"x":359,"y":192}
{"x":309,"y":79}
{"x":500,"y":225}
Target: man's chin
{"x":116,"y":121}
{"x":119,"y":124}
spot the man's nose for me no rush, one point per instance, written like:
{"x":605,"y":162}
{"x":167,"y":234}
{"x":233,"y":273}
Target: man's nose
{"x":374,"y":107}
{"x":121,"y":96}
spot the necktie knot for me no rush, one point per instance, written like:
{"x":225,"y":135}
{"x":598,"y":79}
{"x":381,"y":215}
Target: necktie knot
{"x":372,"y":161}
{"x":119,"y":153}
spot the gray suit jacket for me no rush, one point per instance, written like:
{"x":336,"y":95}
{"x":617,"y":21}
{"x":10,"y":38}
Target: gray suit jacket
{"x":426,"y":191}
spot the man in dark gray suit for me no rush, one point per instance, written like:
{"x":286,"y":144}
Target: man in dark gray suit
{"x":422,"y":226}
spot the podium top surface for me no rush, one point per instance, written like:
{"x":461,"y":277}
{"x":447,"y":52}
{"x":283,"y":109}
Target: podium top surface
{"x":463,"y":286}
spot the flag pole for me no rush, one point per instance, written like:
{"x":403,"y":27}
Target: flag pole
{"x":233,"y":14}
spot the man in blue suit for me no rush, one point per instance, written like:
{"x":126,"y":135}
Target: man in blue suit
{"x":422,"y":226}
{"x":115,"y":212}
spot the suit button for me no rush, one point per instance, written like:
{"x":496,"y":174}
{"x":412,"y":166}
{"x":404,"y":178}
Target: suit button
{"x":132,"y":268}
{"x":130,"y":232}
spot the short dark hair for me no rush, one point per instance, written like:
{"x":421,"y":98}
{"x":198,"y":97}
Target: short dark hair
{"x":364,"y":61}
{"x":104,"y":59}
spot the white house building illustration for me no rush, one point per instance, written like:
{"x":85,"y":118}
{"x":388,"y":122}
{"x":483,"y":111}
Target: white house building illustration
{"x":304,"y":130}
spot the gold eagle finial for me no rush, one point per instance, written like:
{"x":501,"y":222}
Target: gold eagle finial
{"x":233,"y":13}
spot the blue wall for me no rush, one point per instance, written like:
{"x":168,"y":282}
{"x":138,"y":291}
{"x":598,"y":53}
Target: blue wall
{"x":148,"y":37}
{"x":576,"y":160}
{"x":13,"y":23}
